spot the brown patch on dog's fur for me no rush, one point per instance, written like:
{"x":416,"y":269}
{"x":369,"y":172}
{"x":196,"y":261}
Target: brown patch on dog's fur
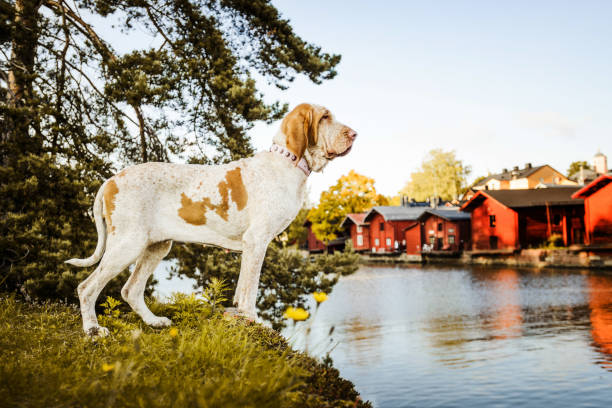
{"x":240,"y":195}
{"x":110,"y":191}
{"x":194,"y":212}
{"x":122,"y":173}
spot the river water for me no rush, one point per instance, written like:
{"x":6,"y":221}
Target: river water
{"x":469,"y":337}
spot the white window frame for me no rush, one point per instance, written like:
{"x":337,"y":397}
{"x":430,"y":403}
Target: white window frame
{"x":360,"y":240}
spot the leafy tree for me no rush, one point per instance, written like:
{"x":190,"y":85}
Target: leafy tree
{"x":574,"y":168}
{"x":478,"y":180}
{"x":73,"y":110}
{"x":441,"y":175}
{"x":352,"y":193}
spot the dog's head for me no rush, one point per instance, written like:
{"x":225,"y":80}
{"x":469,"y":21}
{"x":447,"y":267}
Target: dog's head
{"x":312,"y":132}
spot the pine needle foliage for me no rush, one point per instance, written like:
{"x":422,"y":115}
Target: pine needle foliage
{"x":74,"y":110}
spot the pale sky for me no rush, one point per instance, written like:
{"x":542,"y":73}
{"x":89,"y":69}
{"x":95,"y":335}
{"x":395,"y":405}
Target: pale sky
{"x":502,"y":83}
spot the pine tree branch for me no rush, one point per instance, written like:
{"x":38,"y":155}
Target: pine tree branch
{"x":158,"y":27}
{"x":107,"y":57}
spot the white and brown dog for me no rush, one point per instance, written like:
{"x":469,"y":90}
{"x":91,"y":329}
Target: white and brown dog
{"x":240,"y":206}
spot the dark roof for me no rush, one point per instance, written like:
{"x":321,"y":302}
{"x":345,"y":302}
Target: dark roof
{"x":450,"y":214}
{"x":528,"y":198}
{"x":396,"y":213}
{"x":509,"y":175}
{"x":356,"y":218}
{"x":597,"y":184}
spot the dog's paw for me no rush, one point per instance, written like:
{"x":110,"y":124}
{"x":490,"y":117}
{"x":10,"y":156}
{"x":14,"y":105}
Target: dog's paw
{"x":235,"y":312}
{"x":97,"y":331}
{"x":159,"y":322}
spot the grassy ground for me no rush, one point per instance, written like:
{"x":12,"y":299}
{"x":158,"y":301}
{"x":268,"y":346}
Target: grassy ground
{"x":205,"y":360}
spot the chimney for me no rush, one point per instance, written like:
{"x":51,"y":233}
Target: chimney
{"x":515,"y":172}
{"x":504,"y":171}
{"x":528,"y":165}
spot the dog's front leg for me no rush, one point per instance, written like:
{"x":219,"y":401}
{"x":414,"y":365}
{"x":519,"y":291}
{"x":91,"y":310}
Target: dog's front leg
{"x":253,"y":253}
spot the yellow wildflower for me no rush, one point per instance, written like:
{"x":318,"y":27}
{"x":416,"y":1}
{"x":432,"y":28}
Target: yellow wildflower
{"x":107,"y":367}
{"x":296,"y":313}
{"x":320,"y":297}
{"x":173,"y":332}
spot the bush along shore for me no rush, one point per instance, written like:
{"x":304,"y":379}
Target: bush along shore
{"x":206,"y":359}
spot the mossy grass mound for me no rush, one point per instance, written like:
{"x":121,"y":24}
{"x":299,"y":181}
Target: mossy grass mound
{"x":203,"y":360}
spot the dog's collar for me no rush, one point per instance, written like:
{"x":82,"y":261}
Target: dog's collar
{"x":302,"y":164}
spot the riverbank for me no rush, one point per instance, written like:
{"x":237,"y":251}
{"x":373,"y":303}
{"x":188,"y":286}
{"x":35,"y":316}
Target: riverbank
{"x":203,"y":360}
{"x":573,"y":257}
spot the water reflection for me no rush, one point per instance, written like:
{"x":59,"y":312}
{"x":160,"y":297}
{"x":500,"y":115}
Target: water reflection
{"x":363,"y":341}
{"x":600,"y":302}
{"x":506,"y":304}
{"x":472,"y":336}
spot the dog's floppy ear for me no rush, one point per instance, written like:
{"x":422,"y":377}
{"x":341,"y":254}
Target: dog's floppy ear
{"x":313,"y":133}
{"x":300,"y":127}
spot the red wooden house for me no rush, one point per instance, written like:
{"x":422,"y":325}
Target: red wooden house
{"x":443,"y":229}
{"x":314,"y":244}
{"x":387,"y":226}
{"x":515,"y":219}
{"x":355,"y":226}
{"x":597,"y":197}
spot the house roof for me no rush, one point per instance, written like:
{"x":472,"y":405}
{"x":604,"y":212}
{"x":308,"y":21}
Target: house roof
{"x":355,"y":218}
{"x":396,"y":213}
{"x":587,"y":174}
{"x":597,"y":184}
{"x":508,"y":175}
{"x":450,"y":214}
{"x":527,"y":198}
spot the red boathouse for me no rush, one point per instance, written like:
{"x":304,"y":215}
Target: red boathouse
{"x":355,"y":226}
{"x":518,"y":219}
{"x":597,"y":197}
{"x":387,"y":225}
{"x":443,"y":229}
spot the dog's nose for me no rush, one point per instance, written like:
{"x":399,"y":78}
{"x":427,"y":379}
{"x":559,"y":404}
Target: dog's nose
{"x":352,"y":134}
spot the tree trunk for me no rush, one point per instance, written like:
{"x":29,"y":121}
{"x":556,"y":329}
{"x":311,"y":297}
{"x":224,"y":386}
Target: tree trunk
{"x":24,"y":37}
{"x":23,"y":51}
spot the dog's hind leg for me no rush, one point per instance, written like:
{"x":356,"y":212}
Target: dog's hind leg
{"x":133,"y":290}
{"x":119,"y":255}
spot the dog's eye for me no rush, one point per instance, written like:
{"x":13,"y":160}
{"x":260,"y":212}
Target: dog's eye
{"x":326,"y":116}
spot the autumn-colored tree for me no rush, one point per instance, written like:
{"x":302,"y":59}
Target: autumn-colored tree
{"x":441,"y":175}
{"x":353,"y":193}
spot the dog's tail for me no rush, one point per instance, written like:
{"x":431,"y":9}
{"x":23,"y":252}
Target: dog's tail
{"x":101,"y":228}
